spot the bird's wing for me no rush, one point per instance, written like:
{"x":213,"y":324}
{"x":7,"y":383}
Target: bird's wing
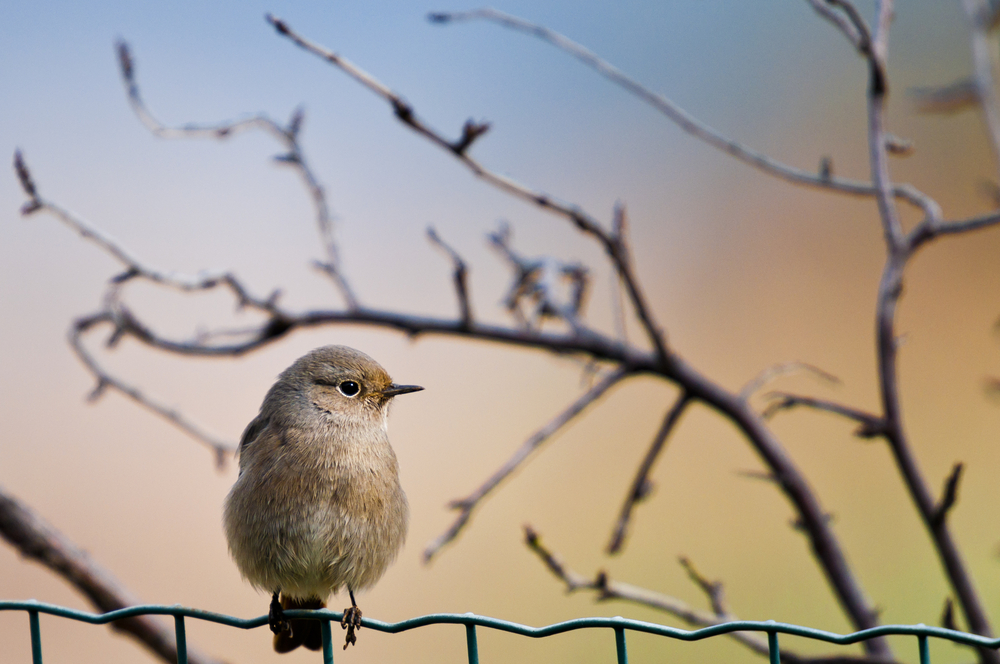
{"x":252,"y":431}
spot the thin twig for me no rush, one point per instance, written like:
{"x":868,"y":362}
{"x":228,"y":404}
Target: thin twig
{"x":287,"y":135}
{"x":713,"y":589}
{"x":466,"y":505}
{"x":607,"y":589}
{"x":223,"y":449}
{"x":537,"y":283}
{"x":841,"y":20}
{"x":459,"y":276}
{"x":584,"y":222}
{"x":950,"y":494}
{"x":928,"y":230}
{"x":784,"y":369}
{"x":870,"y":425}
{"x":642,"y":485}
{"x":680,"y":117}
{"x":37,"y":540}
{"x":985,"y":71}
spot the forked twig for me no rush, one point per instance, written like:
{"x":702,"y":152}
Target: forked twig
{"x":404,"y":112}
{"x":607,"y":589}
{"x":287,"y":135}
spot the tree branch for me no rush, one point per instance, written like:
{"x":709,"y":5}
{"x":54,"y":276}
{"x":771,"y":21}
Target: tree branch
{"x":614,"y":247}
{"x":607,"y":589}
{"x":871,"y":425}
{"x":287,"y":135}
{"x":985,"y":70}
{"x":459,"y":276}
{"x":950,"y":495}
{"x":35,"y":539}
{"x":677,"y":115}
{"x":642,"y":485}
{"x":899,"y":249}
{"x":223,"y":450}
{"x":785,"y":368}
{"x":466,"y":505}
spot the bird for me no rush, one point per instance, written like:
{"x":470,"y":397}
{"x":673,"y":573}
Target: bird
{"x":318,"y":506}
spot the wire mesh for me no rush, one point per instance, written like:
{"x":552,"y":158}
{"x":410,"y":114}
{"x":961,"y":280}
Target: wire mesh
{"x":618,"y":625}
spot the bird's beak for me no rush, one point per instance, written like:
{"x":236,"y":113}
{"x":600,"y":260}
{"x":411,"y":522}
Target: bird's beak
{"x":395,"y":390}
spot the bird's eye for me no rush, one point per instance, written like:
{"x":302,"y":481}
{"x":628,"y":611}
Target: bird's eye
{"x":349,"y":388}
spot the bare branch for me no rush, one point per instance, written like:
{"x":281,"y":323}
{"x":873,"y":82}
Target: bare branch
{"x":899,"y":248}
{"x":712,"y":589}
{"x":642,"y":485}
{"x":537,"y":283}
{"x":786,"y":476}
{"x":877,"y":154}
{"x":871,"y":425}
{"x":784,"y":369}
{"x":847,"y":20}
{"x":459,"y":276}
{"x":223,"y":449}
{"x":928,"y":230}
{"x":680,"y":117}
{"x":948,"y":615}
{"x":608,"y":589}
{"x":35,"y":539}
{"x":950,"y":494}
{"x":287,"y":135}
{"x":470,"y":132}
{"x":466,"y":505}
{"x":27,"y":184}
{"x":580,"y":219}
{"x":985,"y":69}
{"x":842,"y":22}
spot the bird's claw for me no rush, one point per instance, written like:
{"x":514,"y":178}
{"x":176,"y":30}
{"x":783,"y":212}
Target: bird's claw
{"x":276,"y":618}
{"x":351,"y":622}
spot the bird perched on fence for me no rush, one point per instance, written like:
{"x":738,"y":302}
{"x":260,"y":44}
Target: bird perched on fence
{"x":318,"y":505}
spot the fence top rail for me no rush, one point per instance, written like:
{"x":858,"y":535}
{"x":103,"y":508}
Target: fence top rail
{"x":617,"y":622}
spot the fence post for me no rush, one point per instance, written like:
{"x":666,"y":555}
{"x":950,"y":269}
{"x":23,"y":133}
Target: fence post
{"x":925,"y":651}
{"x":180,"y":633}
{"x":324,"y":628}
{"x":772,"y":648}
{"x":620,"y":645}
{"x":472,"y":642}
{"x":36,"y":637}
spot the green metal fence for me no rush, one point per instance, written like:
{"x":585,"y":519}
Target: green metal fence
{"x":471,"y":621}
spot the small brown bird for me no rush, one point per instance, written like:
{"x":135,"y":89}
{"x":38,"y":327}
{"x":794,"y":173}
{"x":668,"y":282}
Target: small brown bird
{"x":317,"y":505}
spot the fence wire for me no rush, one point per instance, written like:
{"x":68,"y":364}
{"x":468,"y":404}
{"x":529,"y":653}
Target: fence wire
{"x":471,"y":621}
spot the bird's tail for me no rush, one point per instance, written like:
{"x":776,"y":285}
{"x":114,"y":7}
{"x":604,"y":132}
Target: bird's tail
{"x":302,"y":632}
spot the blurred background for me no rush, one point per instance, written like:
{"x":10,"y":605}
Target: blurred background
{"x":744,"y":271}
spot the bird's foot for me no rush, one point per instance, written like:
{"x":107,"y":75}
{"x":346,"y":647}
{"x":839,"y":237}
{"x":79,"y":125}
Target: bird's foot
{"x":276,"y":617}
{"x":351,"y":622}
